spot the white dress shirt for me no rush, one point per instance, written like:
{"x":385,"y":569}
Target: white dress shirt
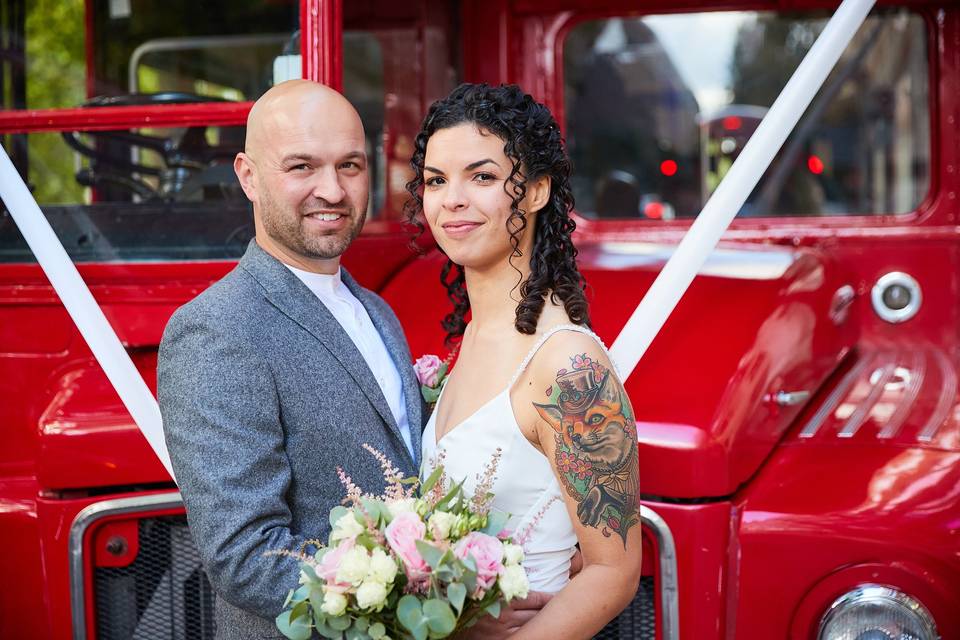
{"x":352,"y":316}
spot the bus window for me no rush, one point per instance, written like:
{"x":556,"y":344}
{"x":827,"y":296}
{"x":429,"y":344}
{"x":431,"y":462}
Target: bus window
{"x":653,"y":123}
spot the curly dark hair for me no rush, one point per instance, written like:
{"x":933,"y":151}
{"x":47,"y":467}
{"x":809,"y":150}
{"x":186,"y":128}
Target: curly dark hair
{"x":532,"y":141}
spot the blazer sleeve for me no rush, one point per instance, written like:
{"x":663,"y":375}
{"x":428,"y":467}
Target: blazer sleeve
{"x":221,"y":421}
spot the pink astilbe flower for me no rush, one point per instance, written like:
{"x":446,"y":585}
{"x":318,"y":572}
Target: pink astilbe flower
{"x":354,"y":494}
{"x":439,"y":489}
{"x":395,"y":490}
{"x":524,"y":534}
{"x":481,"y":498}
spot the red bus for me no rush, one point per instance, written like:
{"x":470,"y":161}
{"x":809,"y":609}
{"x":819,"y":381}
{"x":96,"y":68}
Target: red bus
{"x":798,"y":416}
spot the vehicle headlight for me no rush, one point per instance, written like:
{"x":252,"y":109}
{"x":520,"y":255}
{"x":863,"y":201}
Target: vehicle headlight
{"x":873,"y":612}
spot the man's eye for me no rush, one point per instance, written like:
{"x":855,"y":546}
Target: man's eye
{"x":349,"y":165}
{"x":300,"y":167}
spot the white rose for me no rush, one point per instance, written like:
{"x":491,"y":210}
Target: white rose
{"x":401,"y":506}
{"x":512,"y":554}
{"x":354,"y":566}
{"x":346,"y":527}
{"x":513,"y":582}
{"x":439,"y":524}
{"x":371,"y":594}
{"x":383,"y":568}
{"x":334,"y":604}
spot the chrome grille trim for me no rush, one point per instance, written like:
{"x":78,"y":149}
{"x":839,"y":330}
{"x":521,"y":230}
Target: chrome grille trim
{"x":89,"y":516}
{"x":917,"y":367}
{"x":666,"y":561}
{"x":816,"y":421}
{"x":855,"y":421}
{"x":948,"y":393}
{"x":667,"y":573}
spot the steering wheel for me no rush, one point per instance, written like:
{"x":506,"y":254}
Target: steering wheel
{"x":184,"y":157}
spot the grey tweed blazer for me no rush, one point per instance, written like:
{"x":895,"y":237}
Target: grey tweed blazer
{"x":263,"y":396}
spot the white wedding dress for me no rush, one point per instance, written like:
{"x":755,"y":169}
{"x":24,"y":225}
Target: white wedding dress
{"x":525,"y":486}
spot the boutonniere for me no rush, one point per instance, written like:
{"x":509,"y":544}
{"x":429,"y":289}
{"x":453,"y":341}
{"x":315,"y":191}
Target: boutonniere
{"x":432,"y":373}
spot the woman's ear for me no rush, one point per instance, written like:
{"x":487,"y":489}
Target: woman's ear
{"x":538,"y":194}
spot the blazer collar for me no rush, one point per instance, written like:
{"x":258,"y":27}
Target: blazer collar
{"x":292,"y":298}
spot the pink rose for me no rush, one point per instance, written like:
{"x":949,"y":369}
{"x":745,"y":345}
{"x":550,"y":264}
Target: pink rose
{"x":330,"y":564}
{"x":402,"y":535}
{"x":427,"y":368}
{"x":486,"y":551}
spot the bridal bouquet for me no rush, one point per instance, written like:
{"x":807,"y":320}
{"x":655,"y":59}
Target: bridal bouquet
{"x":418,"y":562}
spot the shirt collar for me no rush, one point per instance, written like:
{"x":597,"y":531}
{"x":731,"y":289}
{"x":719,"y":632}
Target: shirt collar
{"x":319,"y":283}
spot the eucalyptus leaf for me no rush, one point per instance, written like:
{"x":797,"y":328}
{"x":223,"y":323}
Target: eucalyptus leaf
{"x":431,"y":480}
{"x":377,"y":631}
{"x":286,"y":602}
{"x":302,"y":593}
{"x":439,"y":616}
{"x":430,"y":553}
{"x":361,"y":624}
{"x":409,"y":613}
{"x":340,"y":623}
{"x":457,"y":593}
{"x":356,"y":634}
{"x":300,"y":610}
{"x":421,"y":631}
{"x":445,"y":501}
{"x":496,"y":521}
{"x":295,"y":629}
{"x":374,"y":508}
{"x":309,"y":570}
{"x":336,"y":513}
{"x":494,"y":609}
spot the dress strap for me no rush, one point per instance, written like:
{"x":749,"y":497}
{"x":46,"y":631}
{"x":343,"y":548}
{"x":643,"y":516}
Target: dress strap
{"x":546,"y":336}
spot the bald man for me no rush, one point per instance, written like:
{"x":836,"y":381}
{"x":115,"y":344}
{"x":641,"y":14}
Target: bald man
{"x":278,"y":373}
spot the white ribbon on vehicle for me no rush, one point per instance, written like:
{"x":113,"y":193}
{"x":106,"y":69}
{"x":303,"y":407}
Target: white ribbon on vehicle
{"x":80,"y":304}
{"x":720,"y":210}
{"x":637,"y":334}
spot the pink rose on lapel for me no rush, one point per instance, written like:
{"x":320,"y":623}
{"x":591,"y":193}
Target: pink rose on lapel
{"x":428,"y":369}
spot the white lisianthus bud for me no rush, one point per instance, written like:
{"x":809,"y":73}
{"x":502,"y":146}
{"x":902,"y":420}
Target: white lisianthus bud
{"x":513,"y":582}
{"x":334,"y":604}
{"x":346,"y":527}
{"x":354,"y":566}
{"x":383,"y":568}
{"x":371,"y":594}
{"x":401,"y":506}
{"x":439,"y":524}
{"x":512,"y":554}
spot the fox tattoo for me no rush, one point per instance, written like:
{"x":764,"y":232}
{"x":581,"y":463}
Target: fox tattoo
{"x":596,"y":440}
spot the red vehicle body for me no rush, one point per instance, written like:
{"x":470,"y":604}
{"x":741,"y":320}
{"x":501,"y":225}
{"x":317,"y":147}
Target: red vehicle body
{"x":794,"y":444}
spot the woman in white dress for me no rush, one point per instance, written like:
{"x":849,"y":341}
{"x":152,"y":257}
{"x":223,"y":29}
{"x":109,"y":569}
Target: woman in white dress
{"x":532,"y":385}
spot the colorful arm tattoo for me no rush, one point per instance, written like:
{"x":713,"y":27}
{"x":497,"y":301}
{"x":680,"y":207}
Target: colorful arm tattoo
{"x":596,"y":438}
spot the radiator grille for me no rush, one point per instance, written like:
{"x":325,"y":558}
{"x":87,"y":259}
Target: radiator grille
{"x":638,"y":621}
{"x":163,"y":595}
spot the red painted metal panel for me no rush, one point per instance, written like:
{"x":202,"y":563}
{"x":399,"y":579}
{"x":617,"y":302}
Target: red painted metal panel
{"x":105,"y":118}
{"x":321,"y":41}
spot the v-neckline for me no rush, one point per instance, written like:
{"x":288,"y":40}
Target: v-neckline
{"x":437,"y":440}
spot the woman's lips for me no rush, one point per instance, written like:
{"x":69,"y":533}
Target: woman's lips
{"x":459,"y":229}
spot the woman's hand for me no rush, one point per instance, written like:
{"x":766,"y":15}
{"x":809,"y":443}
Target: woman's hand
{"x":511,"y":618}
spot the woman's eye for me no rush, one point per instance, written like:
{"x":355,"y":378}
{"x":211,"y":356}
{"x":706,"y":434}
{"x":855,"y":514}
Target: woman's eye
{"x":485,"y":177}
{"x":434,"y":181}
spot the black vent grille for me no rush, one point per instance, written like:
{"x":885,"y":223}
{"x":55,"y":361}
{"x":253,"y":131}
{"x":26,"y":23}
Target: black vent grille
{"x":638,"y":621}
{"x":163,"y":595}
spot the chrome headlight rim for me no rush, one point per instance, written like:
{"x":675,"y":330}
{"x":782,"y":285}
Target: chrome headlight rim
{"x":882,"y":595}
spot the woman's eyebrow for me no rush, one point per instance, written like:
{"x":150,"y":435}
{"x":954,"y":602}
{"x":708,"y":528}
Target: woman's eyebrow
{"x":432,"y":170}
{"x":480,"y":163}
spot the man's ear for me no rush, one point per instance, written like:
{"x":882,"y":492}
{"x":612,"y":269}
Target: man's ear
{"x":538,"y":194}
{"x":243,"y":167}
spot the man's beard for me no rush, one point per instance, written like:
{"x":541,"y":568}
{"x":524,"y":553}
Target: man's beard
{"x":287,"y":229}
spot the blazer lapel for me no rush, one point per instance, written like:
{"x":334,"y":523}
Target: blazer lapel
{"x":288,"y":294}
{"x":396,"y":345}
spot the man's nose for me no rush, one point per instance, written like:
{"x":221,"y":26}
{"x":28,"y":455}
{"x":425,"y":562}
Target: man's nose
{"x":326,"y":185}
{"x":454,"y":198}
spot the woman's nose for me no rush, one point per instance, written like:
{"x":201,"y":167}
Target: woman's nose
{"x":454,"y":199}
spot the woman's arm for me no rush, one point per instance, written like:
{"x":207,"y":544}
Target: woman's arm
{"x":585,"y":426}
